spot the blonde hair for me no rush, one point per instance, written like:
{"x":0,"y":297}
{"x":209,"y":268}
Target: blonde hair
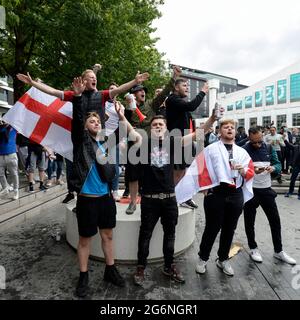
{"x":92,"y":114}
{"x":222,"y":122}
{"x":85,"y":72}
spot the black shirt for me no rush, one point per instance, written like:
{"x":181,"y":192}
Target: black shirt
{"x":178,"y":111}
{"x":157,"y":175}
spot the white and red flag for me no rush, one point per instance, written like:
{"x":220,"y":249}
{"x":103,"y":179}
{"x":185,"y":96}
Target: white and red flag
{"x":44,"y":119}
{"x":211,"y":167}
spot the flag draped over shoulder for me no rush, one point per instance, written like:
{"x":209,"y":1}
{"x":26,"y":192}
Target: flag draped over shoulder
{"x":44,"y":119}
{"x":211,"y":167}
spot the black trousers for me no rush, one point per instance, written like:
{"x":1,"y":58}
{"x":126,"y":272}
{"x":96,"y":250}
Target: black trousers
{"x":266,"y":199}
{"x":151,"y":211}
{"x":222,"y":212}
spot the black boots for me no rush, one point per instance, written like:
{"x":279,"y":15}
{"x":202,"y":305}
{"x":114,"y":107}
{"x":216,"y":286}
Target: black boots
{"x":111,"y":274}
{"x":83,"y":284}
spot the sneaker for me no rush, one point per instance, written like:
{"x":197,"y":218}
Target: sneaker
{"x":70,"y":196}
{"x":131,"y":208}
{"x":49,"y":184}
{"x":4,"y":192}
{"x":287,"y":195}
{"x":16,"y":194}
{"x":43,"y":188}
{"x":201,"y":266}
{"x":59,"y":182}
{"x":173,"y":273}
{"x":279,"y":180}
{"x":116,"y":195}
{"x":284,"y":257}
{"x":10,"y":188}
{"x":112,"y":275}
{"x":226,"y":267}
{"x":30,"y":188}
{"x":125,"y":194}
{"x":255,"y":255}
{"x":82,"y":285}
{"x":139,"y":276}
{"x":190,"y":204}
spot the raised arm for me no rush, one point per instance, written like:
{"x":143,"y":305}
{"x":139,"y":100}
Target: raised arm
{"x":158,"y":101}
{"x":40,"y":86}
{"x":134,"y":135}
{"x":139,"y":78}
{"x":199,"y":133}
{"x":181,"y":105}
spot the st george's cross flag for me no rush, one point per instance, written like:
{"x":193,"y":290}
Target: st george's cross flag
{"x":44,"y":119}
{"x":211,"y":167}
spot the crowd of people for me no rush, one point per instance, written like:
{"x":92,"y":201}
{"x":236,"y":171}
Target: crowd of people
{"x":241,"y":164}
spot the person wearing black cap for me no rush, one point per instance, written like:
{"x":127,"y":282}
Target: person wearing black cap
{"x":149,"y":109}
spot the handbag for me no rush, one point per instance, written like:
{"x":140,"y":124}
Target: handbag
{"x":107,"y":171}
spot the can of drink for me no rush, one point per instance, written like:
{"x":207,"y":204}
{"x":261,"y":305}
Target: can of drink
{"x":218,"y":113}
{"x":130,"y":98}
{"x":234,"y":172}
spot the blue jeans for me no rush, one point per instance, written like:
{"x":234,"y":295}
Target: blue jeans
{"x":295,"y":173}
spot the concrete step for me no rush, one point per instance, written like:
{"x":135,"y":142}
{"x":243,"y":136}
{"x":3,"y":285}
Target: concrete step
{"x":29,"y":205}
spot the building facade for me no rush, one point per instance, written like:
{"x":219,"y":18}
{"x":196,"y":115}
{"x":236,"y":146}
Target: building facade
{"x":196,"y":79}
{"x":6,"y":95}
{"x":273,"y":100}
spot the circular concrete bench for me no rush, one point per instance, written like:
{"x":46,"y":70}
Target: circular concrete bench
{"x":126,"y":234}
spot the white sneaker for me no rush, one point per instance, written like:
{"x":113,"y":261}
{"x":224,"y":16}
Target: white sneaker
{"x":201,"y":266}
{"x":16,"y":195}
{"x":116,"y":195}
{"x":10,"y":188}
{"x":226,"y":267}
{"x":4,"y":192}
{"x":284,"y":257}
{"x":255,"y":255}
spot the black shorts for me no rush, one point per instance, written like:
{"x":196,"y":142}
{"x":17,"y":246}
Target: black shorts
{"x":133,"y":172}
{"x":95,"y":212}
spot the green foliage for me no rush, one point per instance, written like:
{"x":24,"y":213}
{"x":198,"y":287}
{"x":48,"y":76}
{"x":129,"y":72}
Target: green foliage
{"x":56,"y":40}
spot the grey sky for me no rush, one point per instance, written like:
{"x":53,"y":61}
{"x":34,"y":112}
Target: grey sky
{"x":247,"y":40}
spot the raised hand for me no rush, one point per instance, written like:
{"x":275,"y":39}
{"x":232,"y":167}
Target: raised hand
{"x":26,"y":79}
{"x":120,"y":110}
{"x":78,"y":85}
{"x":176,"y":72}
{"x":139,"y":78}
{"x":205,"y":87}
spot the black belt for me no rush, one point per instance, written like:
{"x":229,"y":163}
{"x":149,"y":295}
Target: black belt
{"x":160,"y":196}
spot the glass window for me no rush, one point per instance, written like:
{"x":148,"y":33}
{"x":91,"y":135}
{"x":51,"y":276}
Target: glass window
{"x":296,"y":119}
{"x":280,"y":120}
{"x":248,"y":102}
{"x":241,"y":123}
{"x":295,"y":87}
{"x":230,"y":107}
{"x":281,"y":91}
{"x":3,"y":95}
{"x":266,"y":121}
{"x":239,"y":105}
{"x":258,"y":98}
{"x":253,"y":122}
{"x":269,"y":95}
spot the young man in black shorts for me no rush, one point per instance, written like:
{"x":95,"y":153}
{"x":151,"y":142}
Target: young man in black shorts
{"x":96,"y":207}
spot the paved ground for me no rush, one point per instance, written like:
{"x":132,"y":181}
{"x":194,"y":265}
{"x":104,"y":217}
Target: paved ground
{"x":37,"y":267}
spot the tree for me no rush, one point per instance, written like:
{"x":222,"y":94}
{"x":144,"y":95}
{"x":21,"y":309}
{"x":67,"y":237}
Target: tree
{"x":56,"y":40}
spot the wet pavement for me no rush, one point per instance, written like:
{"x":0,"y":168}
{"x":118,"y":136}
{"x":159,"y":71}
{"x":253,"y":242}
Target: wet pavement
{"x":38,"y":267}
